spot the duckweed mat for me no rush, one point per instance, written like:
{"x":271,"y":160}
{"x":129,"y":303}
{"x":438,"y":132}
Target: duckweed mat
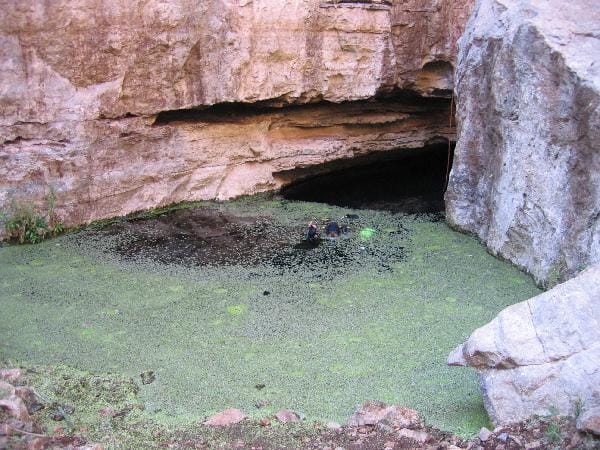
{"x":219,"y":304}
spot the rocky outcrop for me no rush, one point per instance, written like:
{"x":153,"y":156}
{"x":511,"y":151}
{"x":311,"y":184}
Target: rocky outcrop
{"x":113,"y":167}
{"x":526,"y":174}
{"x":132,"y":104}
{"x":19,"y":426}
{"x":541,"y":356}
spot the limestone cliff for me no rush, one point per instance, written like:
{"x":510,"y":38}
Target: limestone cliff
{"x":526,"y":179}
{"x":125,"y":105}
{"x":526,"y":176}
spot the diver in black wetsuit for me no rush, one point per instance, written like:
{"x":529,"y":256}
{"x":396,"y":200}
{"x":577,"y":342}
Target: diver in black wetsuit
{"x":312,"y":232}
{"x":332,"y":229}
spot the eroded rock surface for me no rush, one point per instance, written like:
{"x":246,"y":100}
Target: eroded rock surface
{"x":107,"y":103}
{"x":541,"y":356}
{"x":526,"y":174}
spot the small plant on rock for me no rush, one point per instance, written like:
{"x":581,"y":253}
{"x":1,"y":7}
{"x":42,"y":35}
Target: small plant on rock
{"x":553,"y":434}
{"x":26,"y":224}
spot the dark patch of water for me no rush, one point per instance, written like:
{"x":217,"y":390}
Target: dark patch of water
{"x":209,"y":237}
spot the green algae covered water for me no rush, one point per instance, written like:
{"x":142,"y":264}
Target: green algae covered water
{"x":233,"y":314}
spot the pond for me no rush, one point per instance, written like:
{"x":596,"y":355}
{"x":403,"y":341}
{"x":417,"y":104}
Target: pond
{"x":223,"y":306}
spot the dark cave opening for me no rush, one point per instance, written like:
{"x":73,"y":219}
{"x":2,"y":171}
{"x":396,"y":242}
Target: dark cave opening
{"x":408,"y":180}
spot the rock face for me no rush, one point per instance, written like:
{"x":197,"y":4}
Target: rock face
{"x":126,"y":105}
{"x":540,"y":355}
{"x":526,"y":174}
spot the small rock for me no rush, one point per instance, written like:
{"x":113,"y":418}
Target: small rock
{"x":57,"y":416}
{"x":264,"y":422}
{"x":334,"y":426}
{"x":225,"y":418}
{"x":401,"y":417}
{"x":262,"y":403}
{"x":484,"y":434}
{"x":10,"y":375}
{"x":285,"y":415}
{"x":389,"y":445}
{"x":418,"y":436}
{"x":533,"y":445}
{"x":589,"y":421}
{"x":374,"y":412}
{"x":517,"y":441}
{"x":340,"y":448}
{"x":368,"y":414}
{"x":147,"y":377}
{"x":454,"y":440}
{"x":503,"y":437}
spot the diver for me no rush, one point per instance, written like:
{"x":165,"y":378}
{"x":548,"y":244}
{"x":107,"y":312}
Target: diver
{"x":332,"y":229}
{"x":312,"y":232}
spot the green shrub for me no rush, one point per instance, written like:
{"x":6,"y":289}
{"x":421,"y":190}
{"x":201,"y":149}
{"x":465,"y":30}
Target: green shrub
{"x":553,"y":434}
{"x":26,"y":224}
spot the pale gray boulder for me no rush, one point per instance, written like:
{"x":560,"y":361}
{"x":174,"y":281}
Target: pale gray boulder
{"x":526,"y":173}
{"x":541,"y":356}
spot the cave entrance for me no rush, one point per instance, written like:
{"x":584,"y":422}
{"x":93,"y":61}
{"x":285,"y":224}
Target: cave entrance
{"x":407,"y":180}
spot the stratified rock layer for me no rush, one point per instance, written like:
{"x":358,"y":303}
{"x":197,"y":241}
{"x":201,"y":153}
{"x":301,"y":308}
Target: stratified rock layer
{"x":91,"y":94}
{"x":526,"y":176}
{"x":541,"y":356}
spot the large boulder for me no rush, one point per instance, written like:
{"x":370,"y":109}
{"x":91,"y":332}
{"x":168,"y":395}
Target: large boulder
{"x":123,"y":105}
{"x":526,"y":174}
{"x":541,"y":356}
